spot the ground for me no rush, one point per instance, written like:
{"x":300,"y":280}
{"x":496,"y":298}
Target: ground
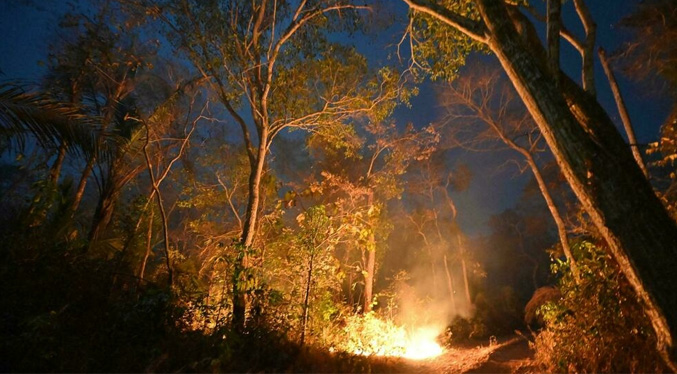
{"x":509,"y":355}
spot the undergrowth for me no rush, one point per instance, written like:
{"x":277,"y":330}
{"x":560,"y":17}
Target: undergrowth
{"x":596,"y":325}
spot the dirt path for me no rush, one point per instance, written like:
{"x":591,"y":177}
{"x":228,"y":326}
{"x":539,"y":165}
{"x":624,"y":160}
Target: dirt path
{"x":512,"y":355}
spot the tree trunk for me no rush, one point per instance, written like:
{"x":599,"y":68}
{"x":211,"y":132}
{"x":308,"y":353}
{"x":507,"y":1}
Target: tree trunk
{"x":161,"y":207}
{"x":248,"y":233}
{"x":554,"y":26}
{"x":464,"y":268}
{"x":623,"y":111}
{"x":80,"y":192}
{"x":602,"y":174}
{"x":590,"y":27}
{"x":55,"y":170}
{"x":149,"y":246}
{"x":38,"y":217}
{"x":306,"y":299}
{"x":103,"y":213}
{"x":554,"y":212}
{"x":450,"y":286}
{"x":371,"y":260}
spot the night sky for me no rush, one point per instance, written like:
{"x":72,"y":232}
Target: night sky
{"x":28,"y":27}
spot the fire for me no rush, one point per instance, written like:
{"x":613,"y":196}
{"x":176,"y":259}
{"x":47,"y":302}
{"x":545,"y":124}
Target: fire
{"x":372,"y":336}
{"x":422,"y":345}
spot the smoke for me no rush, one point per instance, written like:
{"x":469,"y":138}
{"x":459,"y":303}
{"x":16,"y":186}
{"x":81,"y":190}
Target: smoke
{"x":425,"y":300}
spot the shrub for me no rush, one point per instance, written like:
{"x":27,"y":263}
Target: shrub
{"x":596,"y":325}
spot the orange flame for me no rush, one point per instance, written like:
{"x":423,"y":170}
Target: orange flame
{"x":383,"y":338}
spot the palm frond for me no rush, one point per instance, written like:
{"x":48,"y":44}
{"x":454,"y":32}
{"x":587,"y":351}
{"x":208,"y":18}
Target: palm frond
{"x":25,"y":115}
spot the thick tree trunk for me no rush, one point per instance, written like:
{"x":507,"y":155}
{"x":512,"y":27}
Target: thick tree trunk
{"x":603,"y":175}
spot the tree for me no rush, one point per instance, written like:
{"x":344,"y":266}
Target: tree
{"x":436,"y":221}
{"x":483,"y":101}
{"x":591,"y":153}
{"x":274,"y":68}
{"x":314,"y":244}
{"x":373,"y":176}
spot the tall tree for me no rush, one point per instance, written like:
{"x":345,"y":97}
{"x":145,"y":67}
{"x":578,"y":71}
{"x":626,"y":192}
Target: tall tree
{"x":591,"y":153}
{"x":372,"y":176}
{"x":483,"y":101}
{"x":274,"y":67}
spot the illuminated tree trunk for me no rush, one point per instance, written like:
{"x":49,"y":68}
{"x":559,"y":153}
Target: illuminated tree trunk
{"x":371,"y":260}
{"x":554,"y":212}
{"x":248,"y":233}
{"x":464,"y":268}
{"x":603,"y":175}
{"x":450,"y":286}
{"x":623,"y":111}
{"x":590,"y":28}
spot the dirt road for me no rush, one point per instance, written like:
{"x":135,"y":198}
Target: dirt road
{"x":512,"y":355}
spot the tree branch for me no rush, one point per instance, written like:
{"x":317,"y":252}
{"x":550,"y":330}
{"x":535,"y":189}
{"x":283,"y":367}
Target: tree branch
{"x":473,"y":29}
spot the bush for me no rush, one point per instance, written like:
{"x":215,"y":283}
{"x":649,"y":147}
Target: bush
{"x":597,"y":325}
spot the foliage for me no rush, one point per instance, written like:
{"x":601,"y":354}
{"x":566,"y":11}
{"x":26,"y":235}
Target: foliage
{"x":666,"y":151}
{"x":48,"y":120}
{"x":441,"y":51}
{"x":596,"y":325}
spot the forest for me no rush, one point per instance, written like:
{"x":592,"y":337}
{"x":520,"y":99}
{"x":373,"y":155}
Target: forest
{"x":338,"y":186}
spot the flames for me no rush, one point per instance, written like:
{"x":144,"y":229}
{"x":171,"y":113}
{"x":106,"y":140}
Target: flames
{"x":421,"y":344}
{"x":370,"y":335}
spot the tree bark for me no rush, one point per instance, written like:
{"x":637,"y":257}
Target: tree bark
{"x":602,"y":174}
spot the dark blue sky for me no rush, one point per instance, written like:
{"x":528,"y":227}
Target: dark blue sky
{"x":28,"y":30}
